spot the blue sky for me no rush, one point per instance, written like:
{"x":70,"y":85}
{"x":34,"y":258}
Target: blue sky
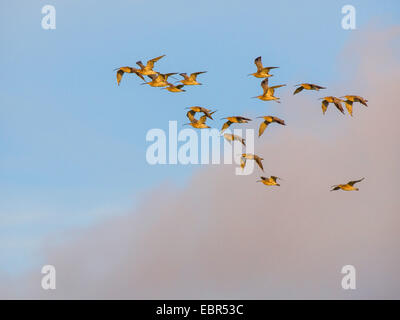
{"x":72,"y":143}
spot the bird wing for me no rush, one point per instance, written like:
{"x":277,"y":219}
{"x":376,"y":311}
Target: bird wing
{"x":349,"y":106}
{"x":190,"y":114}
{"x":242,"y":162}
{"x":140,"y":64}
{"x":180,"y":86}
{"x":338,"y":105}
{"x":194,"y":75}
{"x":150,"y":63}
{"x":184,"y":75}
{"x":226,"y":125}
{"x":258,"y":160}
{"x":324,"y":106}
{"x":264,"y":85}
{"x":278,"y":120}
{"x":352,"y":183}
{"x":298,"y":90}
{"x":274,"y":178}
{"x":263,"y":126}
{"x":139,"y":75}
{"x":258,"y":63}
{"x":202,"y":119}
{"x":120,"y":73}
{"x":316,"y":87}
{"x":334,"y":188}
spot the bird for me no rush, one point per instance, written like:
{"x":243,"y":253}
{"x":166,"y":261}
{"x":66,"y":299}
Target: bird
{"x":235,"y":119}
{"x":207,"y":112}
{"x":198,"y":124}
{"x":268,"y":93}
{"x":349,"y":186}
{"x":159,"y":79}
{"x":349,"y":102}
{"x":123,"y":70}
{"x":232,"y":137}
{"x":147,"y":69}
{"x":190,"y":80}
{"x":336,"y":101}
{"x":262,"y":72}
{"x":173,"y":88}
{"x":307,"y":86}
{"x":271,"y":181}
{"x":267,"y":121}
{"x":250,"y":156}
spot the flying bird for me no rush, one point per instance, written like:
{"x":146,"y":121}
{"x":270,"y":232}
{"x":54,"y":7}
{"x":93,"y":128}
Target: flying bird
{"x":262,"y":72}
{"x":336,"y":101}
{"x":349,"y":186}
{"x":232,"y":137}
{"x":307,"y":86}
{"x":349,"y":102}
{"x":159,"y":79}
{"x":271,"y":181}
{"x":173,"y":88}
{"x":123,"y":70}
{"x":147,"y":69}
{"x":207,"y":112}
{"x":198,"y":124}
{"x":268,"y":93}
{"x":267,"y":121}
{"x":235,"y":119}
{"x":190,"y":80}
{"x":250,"y":156}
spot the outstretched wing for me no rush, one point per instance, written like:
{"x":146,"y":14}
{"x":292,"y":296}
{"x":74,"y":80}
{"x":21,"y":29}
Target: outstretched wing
{"x":202,"y":119}
{"x":264,"y":85}
{"x":258,"y":63}
{"x":190,"y":114}
{"x":324,"y":106}
{"x":150,"y":63}
{"x":278,"y":120}
{"x":298,"y":90}
{"x":338,"y":105}
{"x":335,"y":188}
{"x":120,"y":73}
{"x":258,"y":160}
{"x":263,"y":126}
{"x":226,"y":125}
{"x":349,"y":106}
{"x":194,"y":75}
{"x":352,"y":183}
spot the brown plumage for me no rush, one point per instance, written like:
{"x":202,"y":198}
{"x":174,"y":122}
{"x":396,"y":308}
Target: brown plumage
{"x":349,"y":102}
{"x":123,"y":70}
{"x":336,"y":101}
{"x":147,"y":69}
{"x":262,"y":72}
{"x":307,"y":86}
{"x":235,"y":119}
{"x":250,"y":156}
{"x":267,"y":121}
{"x":191,"y":80}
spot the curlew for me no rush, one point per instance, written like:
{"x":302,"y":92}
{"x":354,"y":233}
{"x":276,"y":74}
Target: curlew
{"x":271,"y":181}
{"x":123,"y":70}
{"x":147,"y":69}
{"x":349,"y":186}
{"x":190,"y":80}
{"x":173,"y":88}
{"x":232,"y":137}
{"x":262,"y":72}
{"x":307,"y":86}
{"x":267,"y":121}
{"x":250,"y":156}
{"x":235,"y":119}
{"x":206,"y":112}
{"x":336,"y":101}
{"x":349,"y":102}
{"x":159,"y":80}
{"x":268,"y":93}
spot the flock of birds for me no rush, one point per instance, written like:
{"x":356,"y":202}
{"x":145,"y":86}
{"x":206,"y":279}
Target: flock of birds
{"x":160,"y":80}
